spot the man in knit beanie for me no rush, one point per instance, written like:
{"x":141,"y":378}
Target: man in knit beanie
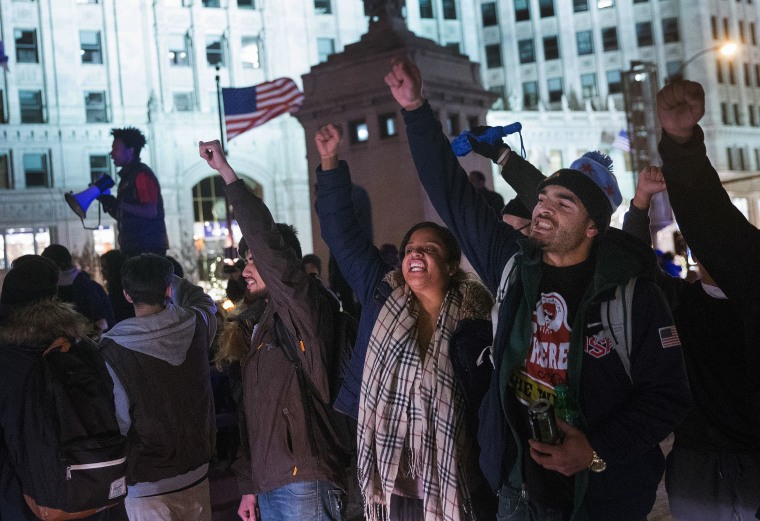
{"x":576,"y":325}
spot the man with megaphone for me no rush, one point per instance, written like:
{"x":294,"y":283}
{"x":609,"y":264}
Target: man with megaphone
{"x":138,"y":206}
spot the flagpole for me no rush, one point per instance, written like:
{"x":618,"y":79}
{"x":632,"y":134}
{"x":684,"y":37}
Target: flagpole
{"x":230,"y":239}
{"x":220,"y":111}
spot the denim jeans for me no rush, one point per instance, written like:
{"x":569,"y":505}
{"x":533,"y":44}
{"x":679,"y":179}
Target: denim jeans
{"x":304,"y":501}
{"x":514,"y":505}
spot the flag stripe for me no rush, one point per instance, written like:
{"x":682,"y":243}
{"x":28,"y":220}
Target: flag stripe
{"x":249,"y":107}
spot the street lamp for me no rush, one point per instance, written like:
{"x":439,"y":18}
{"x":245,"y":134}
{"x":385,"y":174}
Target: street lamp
{"x":726,"y":49}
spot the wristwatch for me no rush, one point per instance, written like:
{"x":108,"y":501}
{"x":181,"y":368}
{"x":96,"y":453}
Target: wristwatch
{"x":597,"y":464}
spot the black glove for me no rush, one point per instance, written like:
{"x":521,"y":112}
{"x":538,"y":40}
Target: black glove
{"x":492,"y":152}
{"x":109,"y":202}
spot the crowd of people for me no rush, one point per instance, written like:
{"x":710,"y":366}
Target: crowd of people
{"x":537,"y":388}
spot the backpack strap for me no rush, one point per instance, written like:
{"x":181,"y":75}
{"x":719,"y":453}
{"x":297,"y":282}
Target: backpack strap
{"x":508,"y":275}
{"x":616,"y":321}
{"x":288,"y":344}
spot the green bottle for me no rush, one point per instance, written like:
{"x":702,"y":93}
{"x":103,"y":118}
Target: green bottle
{"x":565,"y":407}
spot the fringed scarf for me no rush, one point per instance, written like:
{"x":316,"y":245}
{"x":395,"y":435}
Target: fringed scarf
{"x":411,"y":411}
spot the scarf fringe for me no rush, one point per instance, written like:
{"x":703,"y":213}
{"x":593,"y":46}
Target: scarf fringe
{"x":413,"y":459}
{"x":376,"y":512}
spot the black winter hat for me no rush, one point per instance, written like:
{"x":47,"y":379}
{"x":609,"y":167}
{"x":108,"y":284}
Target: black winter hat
{"x":31,"y":278}
{"x":517,"y":208}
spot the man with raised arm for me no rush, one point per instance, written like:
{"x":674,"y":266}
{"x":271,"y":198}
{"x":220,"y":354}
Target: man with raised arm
{"x":551,"y":288}
{"x":291,"y":466}
{"x":720,"y":477}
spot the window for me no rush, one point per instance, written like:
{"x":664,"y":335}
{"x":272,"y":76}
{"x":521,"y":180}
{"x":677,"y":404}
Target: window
{"x":26,"y":45}
{"x":249,"y":52}
{"x":472,"y":122}
{"x":31,"y":106}
{"x":609,"y":39}
{"x":673,"y":69}
{"x":100,"y":164}
{"x":179,"y":55}
{"x":737,"y":115}
{"x":452,"y":124}
{"x":580,"y":5}
{"x":546,"y":8}
{"x":614,"y":82}
{"x":747,"y":75}
{"x":95,"y":107}
{"x":585,"y":41}
{"x":6,"y":173}
{"x":551,"y":48}
{"x":530,"y":95}
{"x":526,"y":51}
{"x":522,"y":10}
{"x":588,"y":86}
{"x":89,"y":47}
{"x":323,"y":6}
{"x":752,"y":33}
{"x":37,"y":170}
{"x":640,"y":1}
{"x":751,"y":114}
{"x":449,"y":9}
{"x":719,"y":71}
{"x":183,"y":101}
{"x":554,"y":86}
{"x":730,"y":157}
{"x":493,"y":55}
{"x":488,"y":13}
{"x":757,"y":75}
{"x":214,"y":51}
{"x":670,"y":30}
{"x":714,"y":27}
{"x":358,"y":131}
{"x":644,"y":34}
{"x":246,"y":4}
{"x":724,"y":113}
{"x":426,"y":9}
{"x":726,"y":29}
{"x":387,"y":124}
{"x":741,"y":32}
{"x":731,"y":73}
{"x":325,"y":47}
{"x":210,"y":3}
{"x":498,"y":102}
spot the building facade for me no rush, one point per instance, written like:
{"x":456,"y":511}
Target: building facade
{"x":78,"y":68}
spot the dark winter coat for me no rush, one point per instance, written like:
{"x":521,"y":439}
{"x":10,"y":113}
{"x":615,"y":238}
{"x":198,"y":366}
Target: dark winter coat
{"x":623,"y":420}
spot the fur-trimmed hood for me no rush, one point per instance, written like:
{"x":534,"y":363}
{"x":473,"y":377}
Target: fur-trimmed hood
{"x":477,"y":301}
{"x":42,"y":322}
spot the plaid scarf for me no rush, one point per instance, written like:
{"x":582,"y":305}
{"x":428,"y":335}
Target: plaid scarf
{"x":411,"y":411}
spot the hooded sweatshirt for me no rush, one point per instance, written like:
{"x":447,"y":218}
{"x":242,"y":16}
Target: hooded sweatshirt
{"x":159,"y":364}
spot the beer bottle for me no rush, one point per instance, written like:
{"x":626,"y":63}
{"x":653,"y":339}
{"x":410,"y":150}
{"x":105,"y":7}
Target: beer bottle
{"x":564,"y":406}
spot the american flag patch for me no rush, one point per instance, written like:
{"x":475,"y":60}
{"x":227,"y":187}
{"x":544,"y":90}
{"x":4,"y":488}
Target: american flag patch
{"x":669,"y":337}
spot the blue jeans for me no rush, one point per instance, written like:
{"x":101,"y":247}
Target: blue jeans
{"x":304,"y":501}
{"x":515,"y":506}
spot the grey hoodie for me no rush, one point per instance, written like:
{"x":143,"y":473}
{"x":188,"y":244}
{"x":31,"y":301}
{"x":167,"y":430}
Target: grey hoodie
{"x":166,"y":335}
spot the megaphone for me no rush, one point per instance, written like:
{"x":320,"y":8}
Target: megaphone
{"x":81,"y":201}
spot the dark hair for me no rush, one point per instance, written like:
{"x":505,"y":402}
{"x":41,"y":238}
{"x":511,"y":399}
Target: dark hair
{"x":451,"y":247}
{"x":289,"y":237}
{"x":110,"y":265}
{"x":179,"y":271}
{"x":312,"y":259}
{"x":58,"y":254}
{"x":390,"y":255}
{"x":131,"y":137}
{"x":146,"y":277}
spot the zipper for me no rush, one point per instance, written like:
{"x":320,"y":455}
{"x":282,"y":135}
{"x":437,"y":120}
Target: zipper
{"x":89,"y":466}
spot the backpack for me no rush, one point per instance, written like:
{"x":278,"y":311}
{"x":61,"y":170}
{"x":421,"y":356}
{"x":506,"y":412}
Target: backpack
{"x":343,"y":338}
{"x":75,"y":461}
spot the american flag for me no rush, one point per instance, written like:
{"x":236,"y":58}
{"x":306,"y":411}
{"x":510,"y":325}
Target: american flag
{"x":669,"y":337}
{"x":250,"y":107}
{"x":622,"y":142}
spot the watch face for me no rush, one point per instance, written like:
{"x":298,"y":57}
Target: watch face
{"x":598,"y":465}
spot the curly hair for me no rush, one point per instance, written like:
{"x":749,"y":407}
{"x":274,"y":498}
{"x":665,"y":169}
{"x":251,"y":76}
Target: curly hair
{"x":132,"y":137}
